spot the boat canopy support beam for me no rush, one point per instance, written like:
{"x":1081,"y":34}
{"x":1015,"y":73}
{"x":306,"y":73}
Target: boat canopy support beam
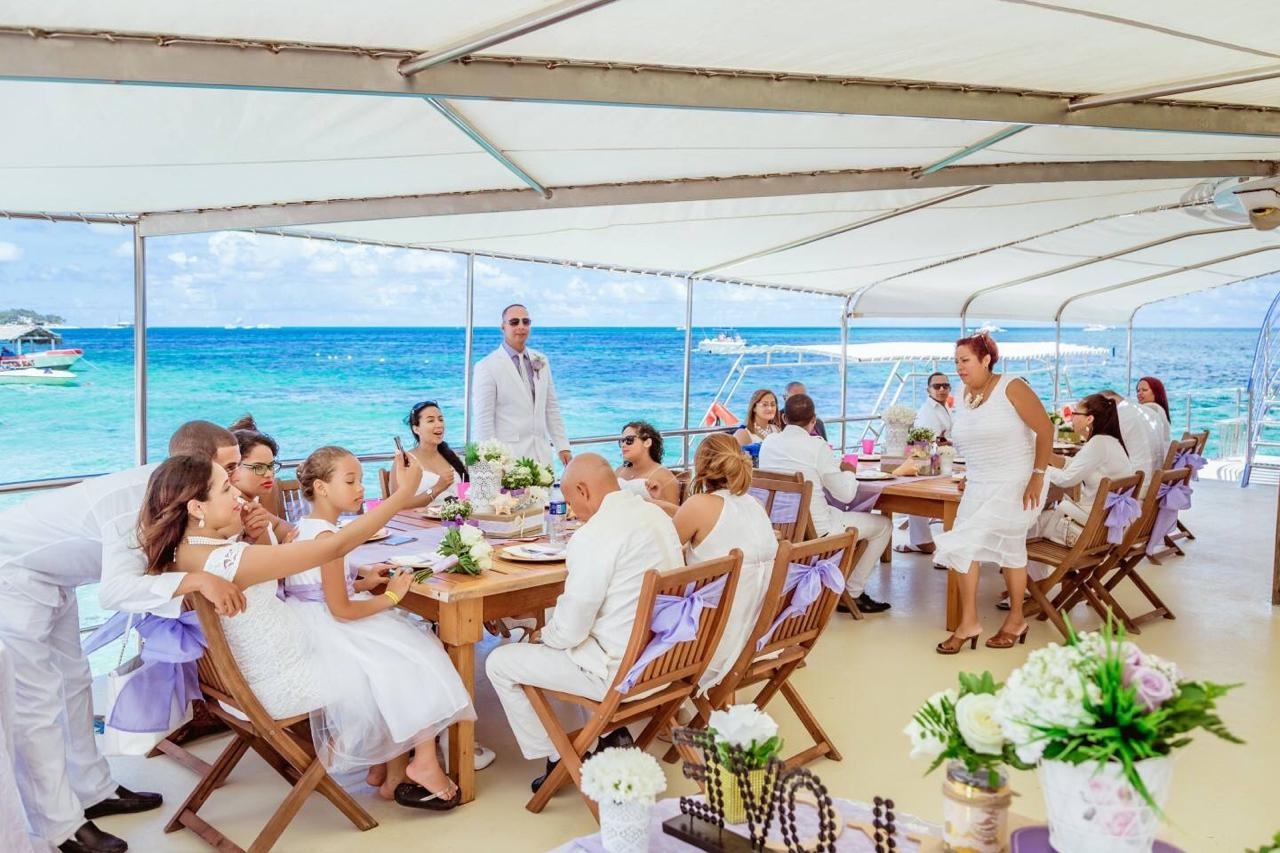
{"x":460,"y":121}
{"x":139,"y":347}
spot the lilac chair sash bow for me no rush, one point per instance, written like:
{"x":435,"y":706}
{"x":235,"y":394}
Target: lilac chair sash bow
{"x":786,"y":505}
{"x":807,"y":581}
{"x":675,"y":621}
{"x":1123,"y":509}
{"x":170,"y":649}
{"x":1190,"y":459}
{"x":1173,"y":497}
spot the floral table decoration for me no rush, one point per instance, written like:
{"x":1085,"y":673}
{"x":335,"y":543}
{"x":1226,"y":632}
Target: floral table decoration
{"x":624,"y":783}
{"x":754,"y":733}
{"x":898,"y":420}
{"x":466,"y":551}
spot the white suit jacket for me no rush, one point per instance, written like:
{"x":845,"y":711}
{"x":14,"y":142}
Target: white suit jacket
{"x":504,"y":410}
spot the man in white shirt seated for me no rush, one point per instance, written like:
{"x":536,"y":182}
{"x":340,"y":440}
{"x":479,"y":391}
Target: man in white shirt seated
{"x":1140,"y":437}
{"x":794,"y":449}
{"x":586,"y":634}
{"x":49,"y":545}
{"x":933,"y":415}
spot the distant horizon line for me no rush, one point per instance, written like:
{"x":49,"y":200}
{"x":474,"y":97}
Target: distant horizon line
{"x":276,"y":327}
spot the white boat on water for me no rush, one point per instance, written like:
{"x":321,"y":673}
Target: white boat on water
{"x":1097,"y":327}
{"x":14,"y":336}
{"x":725,"y":341}
{"x":23,"y":372}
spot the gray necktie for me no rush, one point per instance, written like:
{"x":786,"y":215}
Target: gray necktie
{"x":527,"y":369}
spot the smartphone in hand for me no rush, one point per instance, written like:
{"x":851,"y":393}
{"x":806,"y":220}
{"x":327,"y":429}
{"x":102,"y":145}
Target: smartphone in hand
{"x":400,"y":447}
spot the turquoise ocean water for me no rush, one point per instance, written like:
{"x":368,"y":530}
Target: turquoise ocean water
{"x":354,"y":386}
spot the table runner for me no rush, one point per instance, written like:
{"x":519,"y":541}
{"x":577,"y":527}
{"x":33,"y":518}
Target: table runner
{"x":868,"y":494}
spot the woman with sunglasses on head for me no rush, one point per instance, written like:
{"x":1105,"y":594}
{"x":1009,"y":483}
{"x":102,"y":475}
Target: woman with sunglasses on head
{"x":763,"y":418}
{"x":1155,"y":405}
{"x":255,"y":478}
{"x":641,"y":470}
{"x":442,"y":470}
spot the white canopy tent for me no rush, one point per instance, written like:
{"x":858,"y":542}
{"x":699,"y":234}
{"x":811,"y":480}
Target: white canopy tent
{"x":1065,"y":162}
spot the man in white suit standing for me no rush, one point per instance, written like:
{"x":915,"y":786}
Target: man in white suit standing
{"x":514,"y":397}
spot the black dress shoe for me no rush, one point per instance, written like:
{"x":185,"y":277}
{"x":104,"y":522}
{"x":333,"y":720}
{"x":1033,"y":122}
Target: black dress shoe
{"x":124,"y":802}
{"x":415,"y":796}
{"x":537,"y":783}
{"x":867,"y":604}
{"x":90,"y":839}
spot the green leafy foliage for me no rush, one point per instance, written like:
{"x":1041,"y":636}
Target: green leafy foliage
{"x":920,"y":434}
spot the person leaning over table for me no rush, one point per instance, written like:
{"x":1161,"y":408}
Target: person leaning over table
{"x":795,"y":449}
{"x":581,"y":647}
{"x":933,"y":415}
{"x":515,"y":396}
{"x":1006,"y":437}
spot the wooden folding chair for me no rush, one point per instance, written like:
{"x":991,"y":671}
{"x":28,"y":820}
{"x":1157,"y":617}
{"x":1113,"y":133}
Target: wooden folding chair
{"x":1201,"y":439}
{"x":384,"y":482}
{"x":1188,"y":444}
{"x":786,"y":496}
{"x":664,"y":684}
{"x":1072,"y":565}
{"x":1124,"y":565}
{"x":284,"y":744}
{"x":786,"y":648}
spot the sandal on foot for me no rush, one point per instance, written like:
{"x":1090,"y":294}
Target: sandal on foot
{"x":953,"y":644}
{"x":910,"y":549}
{"x":1004,"y":640}
{"x":414,"y":796}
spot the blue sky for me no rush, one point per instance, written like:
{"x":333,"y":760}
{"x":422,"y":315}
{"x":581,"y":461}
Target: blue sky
{"x":85,"y":273}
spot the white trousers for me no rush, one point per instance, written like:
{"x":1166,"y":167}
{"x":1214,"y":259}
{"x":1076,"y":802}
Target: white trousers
{"x":918,"y":532}
{"x":59,"y":768}
{"x":878,"y":532}
{"x":514,"y":664}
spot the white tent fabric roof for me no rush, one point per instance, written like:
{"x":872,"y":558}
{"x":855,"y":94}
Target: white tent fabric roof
{"x":789,"y":155}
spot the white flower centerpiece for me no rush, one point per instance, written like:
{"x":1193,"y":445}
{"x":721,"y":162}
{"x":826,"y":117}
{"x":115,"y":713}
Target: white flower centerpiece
{"x":527,"y":480}
{"x":624,"y":783}
{"x":898,"y":420}
{"x":486,"y":464}
{"x":1102,"y":718}
{"x":959,"y":727}
{"x":755,"y":734}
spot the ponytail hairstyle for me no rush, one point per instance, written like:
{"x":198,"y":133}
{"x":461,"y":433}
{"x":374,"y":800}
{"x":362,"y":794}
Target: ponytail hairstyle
{"x":1157,"y":391}
{"x":1106,"y":417}
{"x":450,"y":456}
{"x":721,"y":464}
{"x":644,"y":430}
{"x":162,"y":521}
{"x":319,"y":466}
{"x":982,"y":344}
{"x":248,"y":436}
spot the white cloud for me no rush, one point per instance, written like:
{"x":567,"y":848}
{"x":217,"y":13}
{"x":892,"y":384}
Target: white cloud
{"x":10,"y":252}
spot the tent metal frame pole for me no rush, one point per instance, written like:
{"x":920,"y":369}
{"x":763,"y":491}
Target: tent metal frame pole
{"x":844,"y":372}
{"x":139,"y":347}
{"x":467,"y":346}
{"x":1057,"y":359}
{"x":1217,"y":81}
{"x":1128,"y":350}
{"x":970,"y":150}
{"x":461,"y":123}
{"x":687,"y":368}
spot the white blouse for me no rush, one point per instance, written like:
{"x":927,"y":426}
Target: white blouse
{"x":1101,"y":457}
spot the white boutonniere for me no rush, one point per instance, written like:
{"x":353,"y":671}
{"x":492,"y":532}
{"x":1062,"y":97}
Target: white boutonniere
{"x":539,"y":361}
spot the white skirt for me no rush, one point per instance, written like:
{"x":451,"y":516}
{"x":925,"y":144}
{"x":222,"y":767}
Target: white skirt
{"x":389,"y":686}
{"x":991,"y":527}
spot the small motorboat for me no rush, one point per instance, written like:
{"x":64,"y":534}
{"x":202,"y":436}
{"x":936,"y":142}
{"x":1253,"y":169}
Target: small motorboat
{"x":20,"y":371}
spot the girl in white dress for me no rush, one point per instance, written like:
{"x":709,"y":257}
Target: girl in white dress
{"x":442,"y":470}
{"x":412,"y":690}
{"x":188,"y":498}
{"x":641,"y":470}
{"x":718,"y":516}
{"x":1103,"y":456}
{"x":1006,"y":437}
{"x":763,"y":418}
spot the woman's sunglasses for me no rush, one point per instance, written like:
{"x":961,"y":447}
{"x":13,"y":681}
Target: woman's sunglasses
{"x":425,"y":404}
{"x":262,"y":469}
{"x":628,"y":440}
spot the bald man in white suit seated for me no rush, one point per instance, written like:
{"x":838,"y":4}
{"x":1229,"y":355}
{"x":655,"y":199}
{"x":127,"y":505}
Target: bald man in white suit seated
{"x":514,"y":396}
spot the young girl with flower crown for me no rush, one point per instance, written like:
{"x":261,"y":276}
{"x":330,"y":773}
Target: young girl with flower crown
{"x":413,"y":690}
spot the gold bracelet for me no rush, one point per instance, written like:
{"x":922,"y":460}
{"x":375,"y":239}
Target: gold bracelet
{"x":395,"y":599}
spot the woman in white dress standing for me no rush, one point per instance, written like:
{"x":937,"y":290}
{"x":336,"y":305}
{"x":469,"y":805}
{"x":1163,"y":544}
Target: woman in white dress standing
{"x":1155,"y":405}
{"x":442,"y":470}
{"x":187,"y":499}
{"x":718,"y":516}
{"x":412,"y":690}
{"x":641,"y":470}
{"x":1006,"y":437}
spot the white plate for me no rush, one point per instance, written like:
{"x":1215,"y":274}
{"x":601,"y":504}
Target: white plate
{"x":414,"y":561}
{"x":534,"y":553}
{"x":873,"y":475}
{"x":432,"y":511}
{"x":959,"y":460}
{"x":381,"y":534}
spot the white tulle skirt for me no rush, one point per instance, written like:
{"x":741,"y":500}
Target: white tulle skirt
{"x":991,"y":527}
{"x":387,"y":683}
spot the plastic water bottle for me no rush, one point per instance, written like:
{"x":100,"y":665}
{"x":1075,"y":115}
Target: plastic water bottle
{"x":557,"y":515}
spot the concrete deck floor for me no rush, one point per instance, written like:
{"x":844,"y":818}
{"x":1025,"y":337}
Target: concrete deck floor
{"x":864,"y":681}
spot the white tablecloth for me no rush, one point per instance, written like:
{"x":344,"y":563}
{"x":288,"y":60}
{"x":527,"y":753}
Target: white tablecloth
{"x":13,"y":821}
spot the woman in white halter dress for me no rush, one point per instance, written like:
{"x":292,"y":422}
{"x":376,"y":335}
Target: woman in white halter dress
{"x":1006,"y":438}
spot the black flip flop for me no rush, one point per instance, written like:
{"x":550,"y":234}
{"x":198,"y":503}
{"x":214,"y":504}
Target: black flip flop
{"x":414,"y":796}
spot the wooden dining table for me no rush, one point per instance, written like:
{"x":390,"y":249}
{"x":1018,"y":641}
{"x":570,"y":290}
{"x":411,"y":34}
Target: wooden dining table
{"x":460,"y":605}
{"x":931,"y":497}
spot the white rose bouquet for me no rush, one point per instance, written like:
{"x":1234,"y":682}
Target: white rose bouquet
{"x":899,"y":415}
{"x":750,"y":730}
{"x":466,"y":544}
{"x":1101,"y":698}
{"x":623,"y":776}
{"x":962,"y":726}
